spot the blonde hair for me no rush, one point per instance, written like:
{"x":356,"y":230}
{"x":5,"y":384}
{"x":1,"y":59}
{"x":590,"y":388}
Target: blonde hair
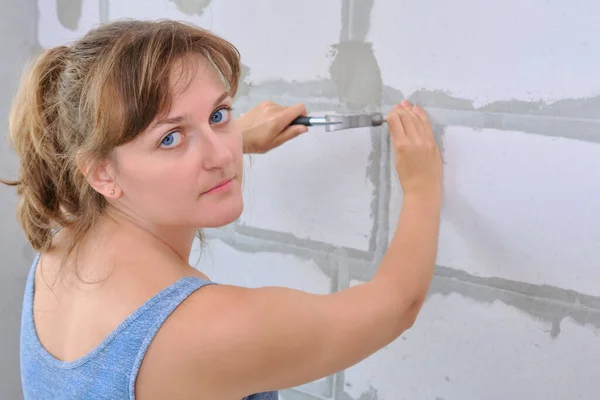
{"x":88,"y":98}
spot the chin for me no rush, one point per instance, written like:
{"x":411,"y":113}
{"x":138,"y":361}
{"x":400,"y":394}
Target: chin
{"x":221,"y":214}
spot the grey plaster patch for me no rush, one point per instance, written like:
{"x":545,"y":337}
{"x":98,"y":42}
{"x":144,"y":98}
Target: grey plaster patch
{"x":356,"y":19}
{"x":577,"y":129}
{"x":587,"y":130}
{"x":320,"y":388}
{"x":555,"y":331}
{"x":324,"y":94}
{"x":355,"y":70}
{"x":427,"y":98}
{"x":252,"y":245}
{"x":586,"y":108}
{"x":391,"y":95}
{"x":527,"y":289}
{"x":381,"y":179}
{"x":316,"y":95}
{"x":276,"y":239}
{"x":340,"y":386}
{"x":341,"y":394}
{"x":313,"y":90}
{"x":243,"y":85}
{"x":542,"y":302}
{"x":191,"y":7}
{"x":578,"y":119}
{"x":104,"y":10}
{"x":69,"y":13}
{"x":440,"y":99}
{"x":357,"y":76}
{"x":374,"y":171}
{"x":370,"y":394}
{"x":338,"y":263}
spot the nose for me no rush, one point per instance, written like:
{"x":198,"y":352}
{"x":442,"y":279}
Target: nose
{"x":216,"y":153}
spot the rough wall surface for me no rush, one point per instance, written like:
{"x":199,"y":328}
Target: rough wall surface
{"x":514,"y":309}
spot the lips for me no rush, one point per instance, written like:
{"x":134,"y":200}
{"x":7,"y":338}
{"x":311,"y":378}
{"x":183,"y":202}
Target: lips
{"x":221,"y":186}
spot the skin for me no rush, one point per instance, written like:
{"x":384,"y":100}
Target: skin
{"x":227,"y":342}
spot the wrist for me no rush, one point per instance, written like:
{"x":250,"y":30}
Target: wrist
{"x":430,"y":199}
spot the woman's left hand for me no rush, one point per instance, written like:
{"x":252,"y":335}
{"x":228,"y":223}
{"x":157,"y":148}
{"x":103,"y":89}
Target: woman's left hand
{"x":267,"y":126}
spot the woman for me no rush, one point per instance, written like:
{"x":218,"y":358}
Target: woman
{"x":127,"y":146}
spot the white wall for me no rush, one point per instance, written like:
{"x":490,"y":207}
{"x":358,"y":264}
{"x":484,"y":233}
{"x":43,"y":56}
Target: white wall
{"x":514,"y":310}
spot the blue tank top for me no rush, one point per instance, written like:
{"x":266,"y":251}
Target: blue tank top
{"x":110,"y":370}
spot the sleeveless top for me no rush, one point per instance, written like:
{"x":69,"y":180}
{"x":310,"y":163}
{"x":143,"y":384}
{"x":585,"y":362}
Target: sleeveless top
{"x":110,"y":370}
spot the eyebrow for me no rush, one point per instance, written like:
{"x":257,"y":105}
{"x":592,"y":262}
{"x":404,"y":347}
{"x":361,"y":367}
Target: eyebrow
{"x":222,"y":97}
{"x":179,"y":119}
{"x":169,"y":121}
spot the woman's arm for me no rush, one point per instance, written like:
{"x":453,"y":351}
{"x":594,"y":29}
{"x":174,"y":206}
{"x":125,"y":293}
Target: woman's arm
{"x":230,"y":341}
{"x":281,"y":338}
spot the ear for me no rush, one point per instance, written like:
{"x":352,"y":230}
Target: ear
{"x":101,"y":175}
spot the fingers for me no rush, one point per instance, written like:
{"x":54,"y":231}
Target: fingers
{"x":426,"y":128}
{"x":404,"y":124}
{"x":396,"y":129}
{"x":421,"y":114}
{"x":414,"y":119}
{"x":289,"y":133}
{"x":411,"y":122}
{"x":289,"y":114}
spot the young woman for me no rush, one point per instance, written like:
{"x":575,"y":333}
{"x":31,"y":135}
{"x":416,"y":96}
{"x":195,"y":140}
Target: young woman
{"x":127,"y":146}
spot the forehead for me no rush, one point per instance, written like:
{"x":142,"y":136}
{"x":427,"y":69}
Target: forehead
{"x":195,"y":78}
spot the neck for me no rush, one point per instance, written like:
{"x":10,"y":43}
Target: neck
{"x":176,"y":239}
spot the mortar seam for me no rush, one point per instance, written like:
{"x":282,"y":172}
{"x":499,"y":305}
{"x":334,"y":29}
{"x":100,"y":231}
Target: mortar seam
{"x":477,"y":112}
{"x":546,"y":299}
{"x":340,"y":258}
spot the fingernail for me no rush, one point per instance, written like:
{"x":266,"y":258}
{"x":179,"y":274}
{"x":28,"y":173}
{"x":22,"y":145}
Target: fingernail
{"x":404,"y":103}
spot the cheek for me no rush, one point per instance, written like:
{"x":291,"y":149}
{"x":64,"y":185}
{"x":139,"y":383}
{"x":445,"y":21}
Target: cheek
{"x":160,"y":177}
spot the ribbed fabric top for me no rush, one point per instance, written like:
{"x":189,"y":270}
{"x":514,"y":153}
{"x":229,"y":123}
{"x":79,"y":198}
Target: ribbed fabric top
{"x":110,"y":370}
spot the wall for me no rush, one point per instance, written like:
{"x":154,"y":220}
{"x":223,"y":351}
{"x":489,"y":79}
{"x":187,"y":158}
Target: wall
{"x":514,"y":309}
{"x":17,"y":43}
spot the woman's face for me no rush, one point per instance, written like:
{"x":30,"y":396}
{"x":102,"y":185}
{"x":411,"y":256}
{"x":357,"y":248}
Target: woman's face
{"x":186,"y":169}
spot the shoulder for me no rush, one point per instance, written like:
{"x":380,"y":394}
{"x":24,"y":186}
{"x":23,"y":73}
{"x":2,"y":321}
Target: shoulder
{"x":212,"y":313}
{"x":187,"y":350}
{"x":262,"y":339}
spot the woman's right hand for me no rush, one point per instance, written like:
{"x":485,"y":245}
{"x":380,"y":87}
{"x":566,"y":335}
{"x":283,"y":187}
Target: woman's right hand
{"x":418,"y":160}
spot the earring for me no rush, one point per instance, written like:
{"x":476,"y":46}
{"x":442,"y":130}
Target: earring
{"x":112,"y":191}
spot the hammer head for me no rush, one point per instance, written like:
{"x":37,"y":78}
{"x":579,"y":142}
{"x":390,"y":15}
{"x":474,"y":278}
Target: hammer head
{"x":341,"y":122}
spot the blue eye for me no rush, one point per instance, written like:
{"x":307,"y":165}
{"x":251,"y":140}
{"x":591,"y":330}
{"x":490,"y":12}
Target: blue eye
{"x":171,"y":140}
{"x":220,"y":116}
